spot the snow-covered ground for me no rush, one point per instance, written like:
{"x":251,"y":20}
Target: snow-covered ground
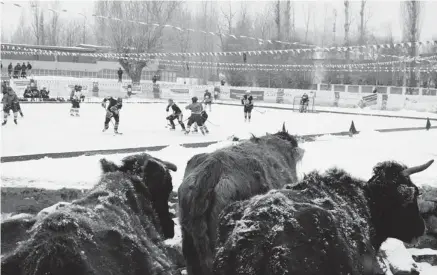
{"x":357,"y":155}
{"x":48,"y":128}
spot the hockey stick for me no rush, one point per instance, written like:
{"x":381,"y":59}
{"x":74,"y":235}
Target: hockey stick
{"x":213,"y":123}
{"x":262,"y":112}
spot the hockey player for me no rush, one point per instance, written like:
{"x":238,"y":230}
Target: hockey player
{"x":75,"y":95}
{"x":204,"y":116}
{"x":177,"y":114}
{"x":247,"y":102}
{"x":10,"y":102}
{"x":304,"y":103}
{"x":207,"y":99}
{"x":112,"y":111}
{"x":196,"y":109}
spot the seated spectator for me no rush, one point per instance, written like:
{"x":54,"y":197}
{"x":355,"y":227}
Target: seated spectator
{"x":44,"y":93}
{"x":28,"y":92}
{"x":35,"y":95}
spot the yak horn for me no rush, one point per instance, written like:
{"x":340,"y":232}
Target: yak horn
{"x":170,"y":165}
{"x":416,"y":169}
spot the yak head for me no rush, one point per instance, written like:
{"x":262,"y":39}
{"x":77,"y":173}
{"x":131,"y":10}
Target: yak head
{"x":150,"y":176}
{"x":284,"y":135}
{"x":393,"y":202}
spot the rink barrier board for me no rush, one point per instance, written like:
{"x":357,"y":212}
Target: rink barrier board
{"x":236,"y":104}
{"x":305,"y":138}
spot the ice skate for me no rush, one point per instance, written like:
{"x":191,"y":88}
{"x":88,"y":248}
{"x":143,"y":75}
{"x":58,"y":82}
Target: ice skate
{"x":15,"y":121}
{"x":4,"y":123}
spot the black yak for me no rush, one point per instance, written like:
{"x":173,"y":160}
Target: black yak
{"x":325,"y":224}
{"x":214,"y":180}
{"x":118,"y":227}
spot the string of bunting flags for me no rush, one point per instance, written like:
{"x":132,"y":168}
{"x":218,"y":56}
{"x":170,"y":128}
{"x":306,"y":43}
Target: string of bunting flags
{"x":6,"y":47}
{"x":309,"y":47}
{"x":309,"y":69}
{"x":227,"y":64}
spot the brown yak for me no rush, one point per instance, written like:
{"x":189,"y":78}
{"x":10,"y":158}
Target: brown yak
{"x":214,"y":180}
{"x":328,"y":223}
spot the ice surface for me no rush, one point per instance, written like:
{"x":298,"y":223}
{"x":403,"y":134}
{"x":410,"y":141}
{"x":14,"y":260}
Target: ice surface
{"x":48,"y":128}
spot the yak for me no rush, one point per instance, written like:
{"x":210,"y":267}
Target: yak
{"x":118,"y":227}
{"x":327,"y":223}
{"x":214,"y":180}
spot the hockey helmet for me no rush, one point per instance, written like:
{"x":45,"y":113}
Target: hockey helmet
{"x":170,"y":101}
{"x":119,"y":99}
{"x":194,"y":99}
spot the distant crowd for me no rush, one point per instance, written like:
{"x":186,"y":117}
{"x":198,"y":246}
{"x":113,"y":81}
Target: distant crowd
{"x":20,"y":70}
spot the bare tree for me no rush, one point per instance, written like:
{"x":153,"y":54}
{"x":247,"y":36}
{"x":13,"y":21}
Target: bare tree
{"x":70,"y":36}
{"x":334,"y":25}
{"x":347,"y":24}
{"x":307,"y":17}
{"x":36,"y":26}
{"x":54,"y":26}
{"x":278,"y":18}
{"x":229,"y":17}
{"x":42,"y":38}
{"x":287,"y":20}
{"x":411,"y":12}
{"x":21,"y":33}
{"x":130,"y":37}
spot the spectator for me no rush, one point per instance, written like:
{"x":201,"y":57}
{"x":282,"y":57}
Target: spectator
{"x":44,"y":93}
{"x":10,"y":67}
{"x":375,"y":91}
{"x":29,"y":68}
{"x":120,"y":74}
{"x":28,"y":92}
{"x":17,"y":70}
{"x":23,"y":70}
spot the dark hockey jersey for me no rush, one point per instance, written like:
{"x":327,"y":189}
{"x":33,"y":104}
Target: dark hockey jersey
{"x":175,"y":108}
{"x":207,"y":97}
{"x":117,"y":103}
{"x":247,"y":100}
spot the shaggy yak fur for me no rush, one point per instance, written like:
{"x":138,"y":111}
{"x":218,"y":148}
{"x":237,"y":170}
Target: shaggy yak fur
{"x":116,"y":228}
{"x":214,"y":180}
{"x":325,"y":224}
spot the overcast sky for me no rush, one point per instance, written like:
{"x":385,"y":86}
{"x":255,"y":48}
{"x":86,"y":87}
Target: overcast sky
{"x":383,"y":14}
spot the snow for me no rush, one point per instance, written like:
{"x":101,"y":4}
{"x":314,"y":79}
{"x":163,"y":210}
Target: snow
{"x":357,"y":155}
{"x":49,"y":128}
{"x":422,"y":251}
{"x":398,"y":257}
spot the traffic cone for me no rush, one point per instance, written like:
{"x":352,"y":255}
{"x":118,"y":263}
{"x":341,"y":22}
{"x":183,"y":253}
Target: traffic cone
{"x":352,"y":129}
{"x":428,"y":124}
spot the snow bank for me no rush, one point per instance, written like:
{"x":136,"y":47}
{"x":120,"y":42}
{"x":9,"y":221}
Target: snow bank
{"x":398,"y":257}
